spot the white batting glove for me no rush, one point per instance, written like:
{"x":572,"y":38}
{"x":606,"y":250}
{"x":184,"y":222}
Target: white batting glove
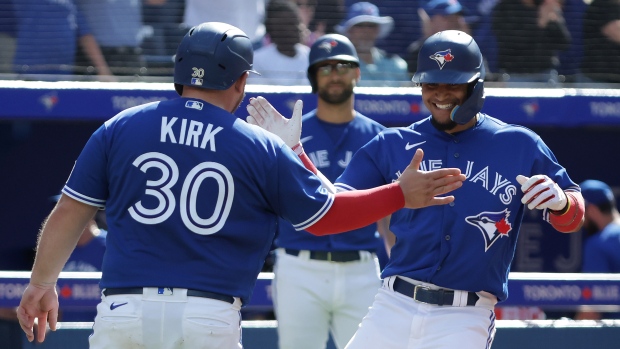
{"x":264,"y":115}
{"x":541,"y":192}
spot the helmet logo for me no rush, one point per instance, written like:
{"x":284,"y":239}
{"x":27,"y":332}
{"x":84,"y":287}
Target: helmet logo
{"x":442,"y":57}
{"x":328,"y":45}
{"x":197,"y":75}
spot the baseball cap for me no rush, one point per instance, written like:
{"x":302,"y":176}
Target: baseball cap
{"x":443,"y":7}
{"x":365,"y":12}
{"x":596,"y":192}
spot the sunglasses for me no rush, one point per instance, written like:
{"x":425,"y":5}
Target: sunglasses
{"x":341,"y":68}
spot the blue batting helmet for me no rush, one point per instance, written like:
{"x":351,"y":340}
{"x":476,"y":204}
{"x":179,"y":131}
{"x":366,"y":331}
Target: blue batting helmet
{"x":453,"y":57}
{"x":330,"y":47}
{"x":212,"y":55}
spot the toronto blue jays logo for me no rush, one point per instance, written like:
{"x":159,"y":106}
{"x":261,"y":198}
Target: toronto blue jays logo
{"x":328,"y":45}
{"x":492,"y":225}
{"x":442,"y":57}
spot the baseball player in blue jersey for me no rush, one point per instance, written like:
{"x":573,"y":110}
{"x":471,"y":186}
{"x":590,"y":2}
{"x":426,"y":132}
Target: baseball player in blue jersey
{"x":327,"y":283}
{"x":450,"y":264}
{"x":192,"y":197}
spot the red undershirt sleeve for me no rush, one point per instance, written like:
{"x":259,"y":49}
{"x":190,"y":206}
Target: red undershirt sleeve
{"x":359,"y":208}
{"x":570,"y":219}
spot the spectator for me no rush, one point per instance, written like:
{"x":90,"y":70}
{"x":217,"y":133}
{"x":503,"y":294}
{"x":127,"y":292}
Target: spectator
{"x":284,"y":59}
{"x":7,"y":35}
{"x":327,"y":15}
{"x":405,"y":26}
{"x":601,"y":39}
{"x":117,"y":27}
{"x":164,"y":29}
{"x":363,"y":26}
{"x":602,"y":226}
{"x":436,"y":16}
{"x":307,"y":10}
{"x":47,"y":33}
{"x":530,"y":34}
{"x":247,"y":15}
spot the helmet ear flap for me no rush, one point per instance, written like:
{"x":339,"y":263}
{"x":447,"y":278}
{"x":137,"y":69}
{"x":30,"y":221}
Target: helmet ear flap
{"x":463,"y":113}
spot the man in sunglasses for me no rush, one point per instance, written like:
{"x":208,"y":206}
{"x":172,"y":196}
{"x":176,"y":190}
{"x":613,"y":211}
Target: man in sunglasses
{"x":327,"y":283}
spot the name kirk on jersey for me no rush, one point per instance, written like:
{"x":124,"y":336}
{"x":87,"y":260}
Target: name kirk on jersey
{"x":190,"y":132}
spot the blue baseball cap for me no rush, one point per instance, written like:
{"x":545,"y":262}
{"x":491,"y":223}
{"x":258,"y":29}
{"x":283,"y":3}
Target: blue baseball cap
{"x":596,"y":192}
{"x":443,"y":7}
{"x":365,"y":12}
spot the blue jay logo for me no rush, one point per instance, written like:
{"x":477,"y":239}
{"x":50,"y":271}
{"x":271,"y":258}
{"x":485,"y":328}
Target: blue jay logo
{"x":493,"y":225}
{"x":328,"y":45}
{"x":442,"y":57}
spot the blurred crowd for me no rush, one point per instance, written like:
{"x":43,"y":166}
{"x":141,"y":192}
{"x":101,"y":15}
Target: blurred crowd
{"x":548,"y":41}
{"x":542,"y":41}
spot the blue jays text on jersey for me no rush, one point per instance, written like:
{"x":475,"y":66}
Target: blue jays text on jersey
{"x":331,"y":148}
{"x":192,"y":196}
{"x":475,"y":236}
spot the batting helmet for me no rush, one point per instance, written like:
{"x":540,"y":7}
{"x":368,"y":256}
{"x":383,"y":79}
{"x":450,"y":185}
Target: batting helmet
{"x":453,"y":57}
{"x":330,"y":47}
{"x":212,"y":55}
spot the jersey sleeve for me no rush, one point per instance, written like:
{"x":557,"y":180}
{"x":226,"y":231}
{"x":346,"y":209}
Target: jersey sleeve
{"x":301,"y":198}
{"x":594,"y":260}
{"x":87,"y":182}
{"x":547,"y":164}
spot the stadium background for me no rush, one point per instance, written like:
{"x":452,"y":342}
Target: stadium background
{"x":44,"y":125}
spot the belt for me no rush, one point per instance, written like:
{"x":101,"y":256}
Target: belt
{"x":426,"y":295}
{"x":190,"y":293}
{"x":338,"y":256}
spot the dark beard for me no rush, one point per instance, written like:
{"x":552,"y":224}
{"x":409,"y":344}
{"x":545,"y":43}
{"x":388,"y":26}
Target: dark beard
{"x":590,"y":228}
{"x":447,"y":126}
{"x":335,"y":99}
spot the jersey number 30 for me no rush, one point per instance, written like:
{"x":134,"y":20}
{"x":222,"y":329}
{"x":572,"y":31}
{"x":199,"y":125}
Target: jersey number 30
{"x":160,"y":189}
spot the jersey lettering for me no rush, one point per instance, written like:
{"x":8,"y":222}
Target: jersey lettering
{"x":189,"y":135}
{"x":206,"y":173}
{"x":347,"y":158}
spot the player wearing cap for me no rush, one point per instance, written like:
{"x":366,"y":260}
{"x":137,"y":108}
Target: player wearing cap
{"x":601,"y":252}
{"x":450,"y":264}
{"x":192,"y":197}
{"x":325,"y":284}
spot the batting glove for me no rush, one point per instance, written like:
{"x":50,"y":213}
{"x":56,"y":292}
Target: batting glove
{"x":541,"y":192}
{"x":264,"y":115}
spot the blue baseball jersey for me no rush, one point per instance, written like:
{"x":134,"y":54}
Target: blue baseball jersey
{"x":192,"y":196}
{"x":600,"y":252}
{"x":331,"y":147}
{"x":470,"y":243}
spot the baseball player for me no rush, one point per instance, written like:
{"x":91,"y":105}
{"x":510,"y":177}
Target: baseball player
{"x":450,"y":264}
{"x":192,"y":196}
{"x":325,"y":283}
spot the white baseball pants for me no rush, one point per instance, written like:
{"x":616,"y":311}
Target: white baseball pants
{"x":396,"y":321}
{"x":155,"y":321}
{"x":312,"y":298}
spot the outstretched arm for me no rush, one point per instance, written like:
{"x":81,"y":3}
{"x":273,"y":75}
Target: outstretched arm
{"x":57,"y":240}
{"x":414,"y":189}
{"x":566,"y":209}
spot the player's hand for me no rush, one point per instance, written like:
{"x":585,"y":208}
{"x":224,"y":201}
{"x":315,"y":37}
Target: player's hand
{"x":422,"y":187}
{"x":541,"y":192}
{"x":264,"y":115}
{"x":40,"y":303}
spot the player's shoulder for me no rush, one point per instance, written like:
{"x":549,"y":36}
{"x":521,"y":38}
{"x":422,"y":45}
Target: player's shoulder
{"x":497,"y":126}
{"x":365,"y":120}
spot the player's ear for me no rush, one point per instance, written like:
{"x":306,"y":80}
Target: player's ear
{"x":239,"y":85}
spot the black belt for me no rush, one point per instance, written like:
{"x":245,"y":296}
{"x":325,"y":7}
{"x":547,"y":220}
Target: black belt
{"x":338,"y":256}
{"x":426,"y":295}
{"x":190,"y":293}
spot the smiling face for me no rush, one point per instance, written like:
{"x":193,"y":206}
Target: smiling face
{"x":440,"y":99}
